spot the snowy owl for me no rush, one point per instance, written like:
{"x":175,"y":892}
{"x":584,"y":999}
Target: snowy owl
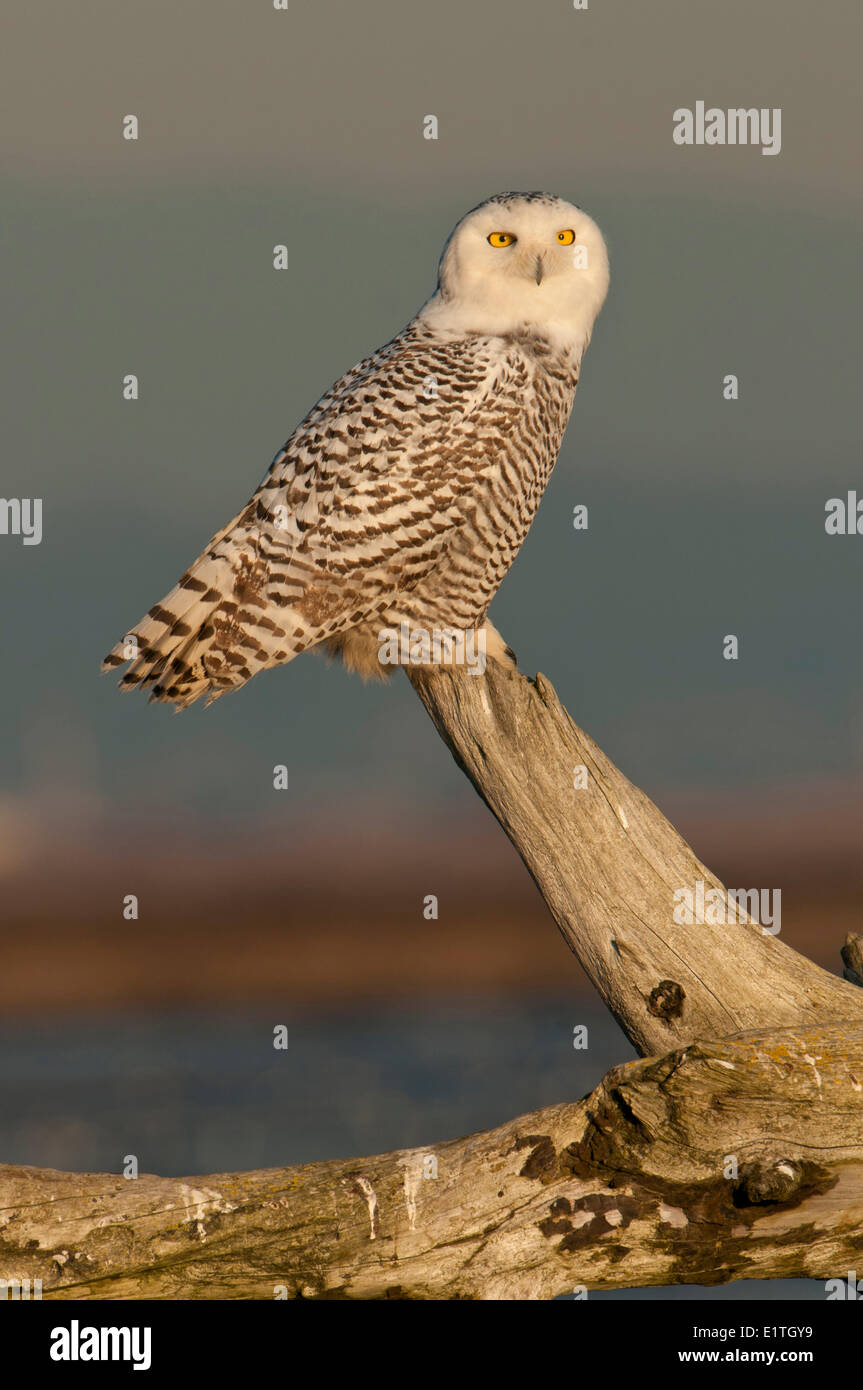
{"x":405,"y":494}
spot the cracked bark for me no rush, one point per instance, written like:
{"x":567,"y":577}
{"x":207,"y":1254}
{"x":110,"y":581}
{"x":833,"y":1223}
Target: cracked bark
{"x":727,"y":1157}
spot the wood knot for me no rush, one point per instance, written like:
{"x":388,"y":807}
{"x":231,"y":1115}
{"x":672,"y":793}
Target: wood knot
{"x":666,"y":1000}
{"x":852,"y":958}
{"x":774,"y":1182}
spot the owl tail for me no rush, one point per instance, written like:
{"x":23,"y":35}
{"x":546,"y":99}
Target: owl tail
{"x":166,"y":649}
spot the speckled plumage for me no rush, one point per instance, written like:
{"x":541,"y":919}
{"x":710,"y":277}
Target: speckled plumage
{"x":408,"y":489}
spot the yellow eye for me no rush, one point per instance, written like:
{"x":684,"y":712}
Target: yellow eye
{"x":501,"y":239}
{"x":566,"y":238}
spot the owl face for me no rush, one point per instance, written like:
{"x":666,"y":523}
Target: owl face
{"x":523,"y":259}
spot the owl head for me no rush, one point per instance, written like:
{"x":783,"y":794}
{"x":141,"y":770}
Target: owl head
{"x":522,"y":260}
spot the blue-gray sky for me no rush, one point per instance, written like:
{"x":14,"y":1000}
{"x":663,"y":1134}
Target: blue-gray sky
{"x":305,"y":127}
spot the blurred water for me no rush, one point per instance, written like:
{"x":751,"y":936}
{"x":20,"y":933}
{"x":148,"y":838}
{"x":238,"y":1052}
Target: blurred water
{"x":198,"y":1093}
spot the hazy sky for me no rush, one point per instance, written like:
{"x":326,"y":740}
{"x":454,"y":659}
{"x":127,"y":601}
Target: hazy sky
{"x":337,"y":91}
{"x":305,"y":127}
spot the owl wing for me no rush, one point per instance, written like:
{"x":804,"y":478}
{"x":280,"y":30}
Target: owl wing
{"x":357,"y":507}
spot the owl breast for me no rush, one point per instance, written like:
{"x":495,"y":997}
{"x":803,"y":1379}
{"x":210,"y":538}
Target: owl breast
{"x":519,"y":431}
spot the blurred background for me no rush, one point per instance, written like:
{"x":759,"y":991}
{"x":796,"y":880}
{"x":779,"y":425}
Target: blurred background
{"x":706,"y":517}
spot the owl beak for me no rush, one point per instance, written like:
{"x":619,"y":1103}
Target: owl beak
{"x":538,"y":270}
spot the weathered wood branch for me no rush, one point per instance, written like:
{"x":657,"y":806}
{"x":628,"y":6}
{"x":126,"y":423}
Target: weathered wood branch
{"x":736,"y":1158}
{"x":729,"y":1157}
{"x":608,"y":863}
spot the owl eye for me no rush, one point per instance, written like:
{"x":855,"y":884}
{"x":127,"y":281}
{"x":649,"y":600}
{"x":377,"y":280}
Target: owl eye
{"x":567,"y":237}
{"x":501,"y":239}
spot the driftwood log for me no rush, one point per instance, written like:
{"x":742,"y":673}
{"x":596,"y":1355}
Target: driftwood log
{"x":608,"y":864}
{"x":736,"y":1153}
